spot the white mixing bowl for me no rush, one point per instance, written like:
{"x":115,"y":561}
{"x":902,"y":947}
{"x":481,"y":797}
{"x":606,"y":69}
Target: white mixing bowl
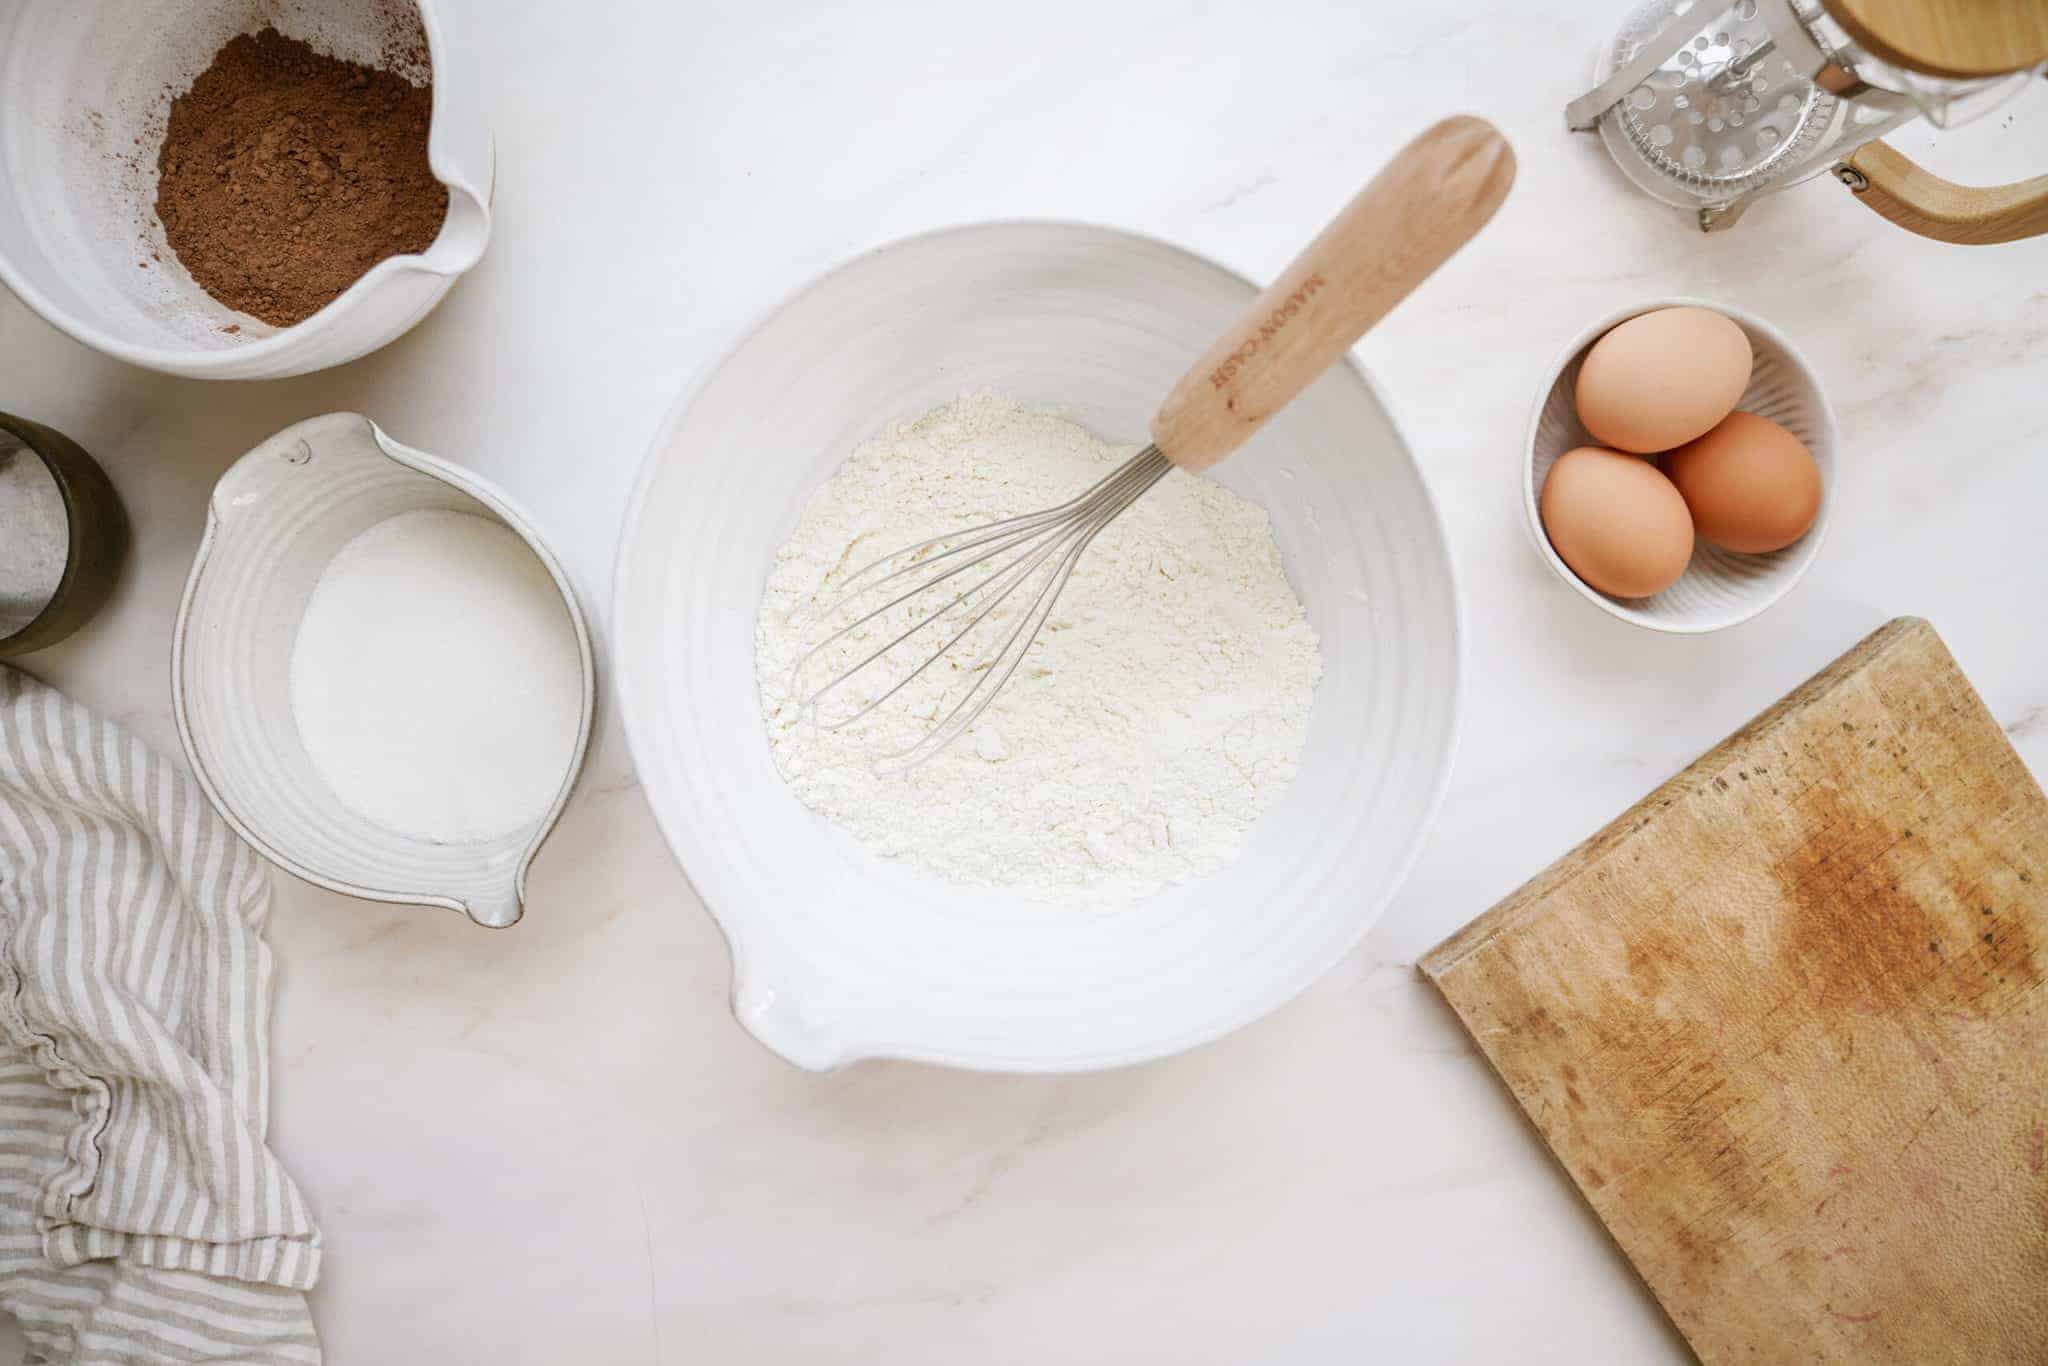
{"x":85,"y":86}
{"x":839,"y":955}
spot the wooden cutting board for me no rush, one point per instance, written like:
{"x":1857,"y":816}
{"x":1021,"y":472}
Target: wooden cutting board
{"x":1785,"y":1024}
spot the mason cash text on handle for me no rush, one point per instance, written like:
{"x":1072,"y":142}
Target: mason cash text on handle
{"x":1269,"y":329}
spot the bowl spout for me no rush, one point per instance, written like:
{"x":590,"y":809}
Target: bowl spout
{"x":463,"y":236}
{"x":496,"y":911}
{"x":776,"y":1019}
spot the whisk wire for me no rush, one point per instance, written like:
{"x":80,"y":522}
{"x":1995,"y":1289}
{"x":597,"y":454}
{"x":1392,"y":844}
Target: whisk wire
{"x":1005,"y":534}
{"x":914,"y":558}
{"x":1018,"y":572}
{"x":1048,"y":543}
{"x":992,"y":678}
{"x":846,"y":631}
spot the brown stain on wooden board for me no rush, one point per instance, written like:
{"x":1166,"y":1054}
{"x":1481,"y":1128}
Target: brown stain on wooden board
{"x":1785,"y":1022}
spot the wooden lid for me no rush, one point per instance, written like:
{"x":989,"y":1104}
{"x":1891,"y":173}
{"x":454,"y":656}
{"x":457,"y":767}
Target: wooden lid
{"x":1962,"y":38}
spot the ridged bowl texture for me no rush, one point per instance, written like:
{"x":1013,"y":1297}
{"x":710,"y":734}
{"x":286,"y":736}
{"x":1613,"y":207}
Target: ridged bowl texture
{"x":277,"y":519}
{"x":1719,"y":588}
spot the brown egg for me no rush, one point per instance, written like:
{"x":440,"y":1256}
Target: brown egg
{"x":1616,"y":521}
{"x":1751,"y":485}
{"x":1662,"y":378}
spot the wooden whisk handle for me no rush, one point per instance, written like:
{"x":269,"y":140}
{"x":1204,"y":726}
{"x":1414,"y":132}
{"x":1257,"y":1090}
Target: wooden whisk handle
{"x":1428,"y":201}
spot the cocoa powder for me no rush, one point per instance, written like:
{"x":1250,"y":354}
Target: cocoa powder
{"x":285,"y":174}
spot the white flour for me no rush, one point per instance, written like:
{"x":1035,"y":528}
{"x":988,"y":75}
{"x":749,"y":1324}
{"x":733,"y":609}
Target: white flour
{"x":436,"y":679}
{"x":1161,"y":711}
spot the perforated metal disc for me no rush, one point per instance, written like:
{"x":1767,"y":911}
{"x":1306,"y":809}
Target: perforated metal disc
{"x":1713,"y":122}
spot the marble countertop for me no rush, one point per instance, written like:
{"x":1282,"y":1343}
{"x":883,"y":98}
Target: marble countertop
{"x":555,"y":1145}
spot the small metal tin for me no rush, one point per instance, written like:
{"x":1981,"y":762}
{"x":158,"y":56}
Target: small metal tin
{"x":95,"y":535}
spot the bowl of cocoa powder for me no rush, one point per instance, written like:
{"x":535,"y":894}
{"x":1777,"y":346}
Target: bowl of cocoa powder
{"x":225,"y":190}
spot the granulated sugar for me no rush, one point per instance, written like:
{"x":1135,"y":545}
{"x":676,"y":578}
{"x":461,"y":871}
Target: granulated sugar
{"x":1162,"y":711}
{"x":436,"y":679}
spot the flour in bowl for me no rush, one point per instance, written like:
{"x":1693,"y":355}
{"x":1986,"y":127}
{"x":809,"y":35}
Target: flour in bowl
{"x":1160,"y":712}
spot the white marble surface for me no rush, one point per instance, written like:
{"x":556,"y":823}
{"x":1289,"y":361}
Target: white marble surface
{"x":553,"y":1144}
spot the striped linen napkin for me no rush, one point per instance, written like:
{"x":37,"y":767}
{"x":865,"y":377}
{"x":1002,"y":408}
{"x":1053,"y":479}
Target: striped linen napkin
{"x":142,"y":1216}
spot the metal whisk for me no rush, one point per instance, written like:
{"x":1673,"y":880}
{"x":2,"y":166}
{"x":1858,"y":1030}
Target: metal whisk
{"x":973,"y":573}
{"x":976,"y":599}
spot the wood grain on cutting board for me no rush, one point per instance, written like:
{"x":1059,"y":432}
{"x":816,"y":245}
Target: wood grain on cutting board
{"x":1785,"y":1024}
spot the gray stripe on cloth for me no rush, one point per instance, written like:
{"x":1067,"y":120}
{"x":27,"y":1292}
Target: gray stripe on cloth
{"x":143,"y":1217}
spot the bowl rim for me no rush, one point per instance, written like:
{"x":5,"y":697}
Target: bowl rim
{"x":1809,"y":546}
{"x":631,"y":692}
{"x":195,"y":364}
{"x":508,"y":512}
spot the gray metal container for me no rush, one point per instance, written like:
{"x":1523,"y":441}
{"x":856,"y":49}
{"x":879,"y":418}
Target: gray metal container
{"x":63,"y":536}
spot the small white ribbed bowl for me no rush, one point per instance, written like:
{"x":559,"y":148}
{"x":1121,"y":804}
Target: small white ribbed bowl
{"x":277,"y":518}
{"x":1719,"y":587}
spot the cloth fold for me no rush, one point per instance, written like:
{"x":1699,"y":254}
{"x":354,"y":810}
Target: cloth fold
{"x":142,"y":1215}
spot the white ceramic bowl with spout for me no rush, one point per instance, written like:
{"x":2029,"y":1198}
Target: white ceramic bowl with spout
{"x":276,"y":520}
{"x":85,"y":86}
{"x":840,"y":955}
